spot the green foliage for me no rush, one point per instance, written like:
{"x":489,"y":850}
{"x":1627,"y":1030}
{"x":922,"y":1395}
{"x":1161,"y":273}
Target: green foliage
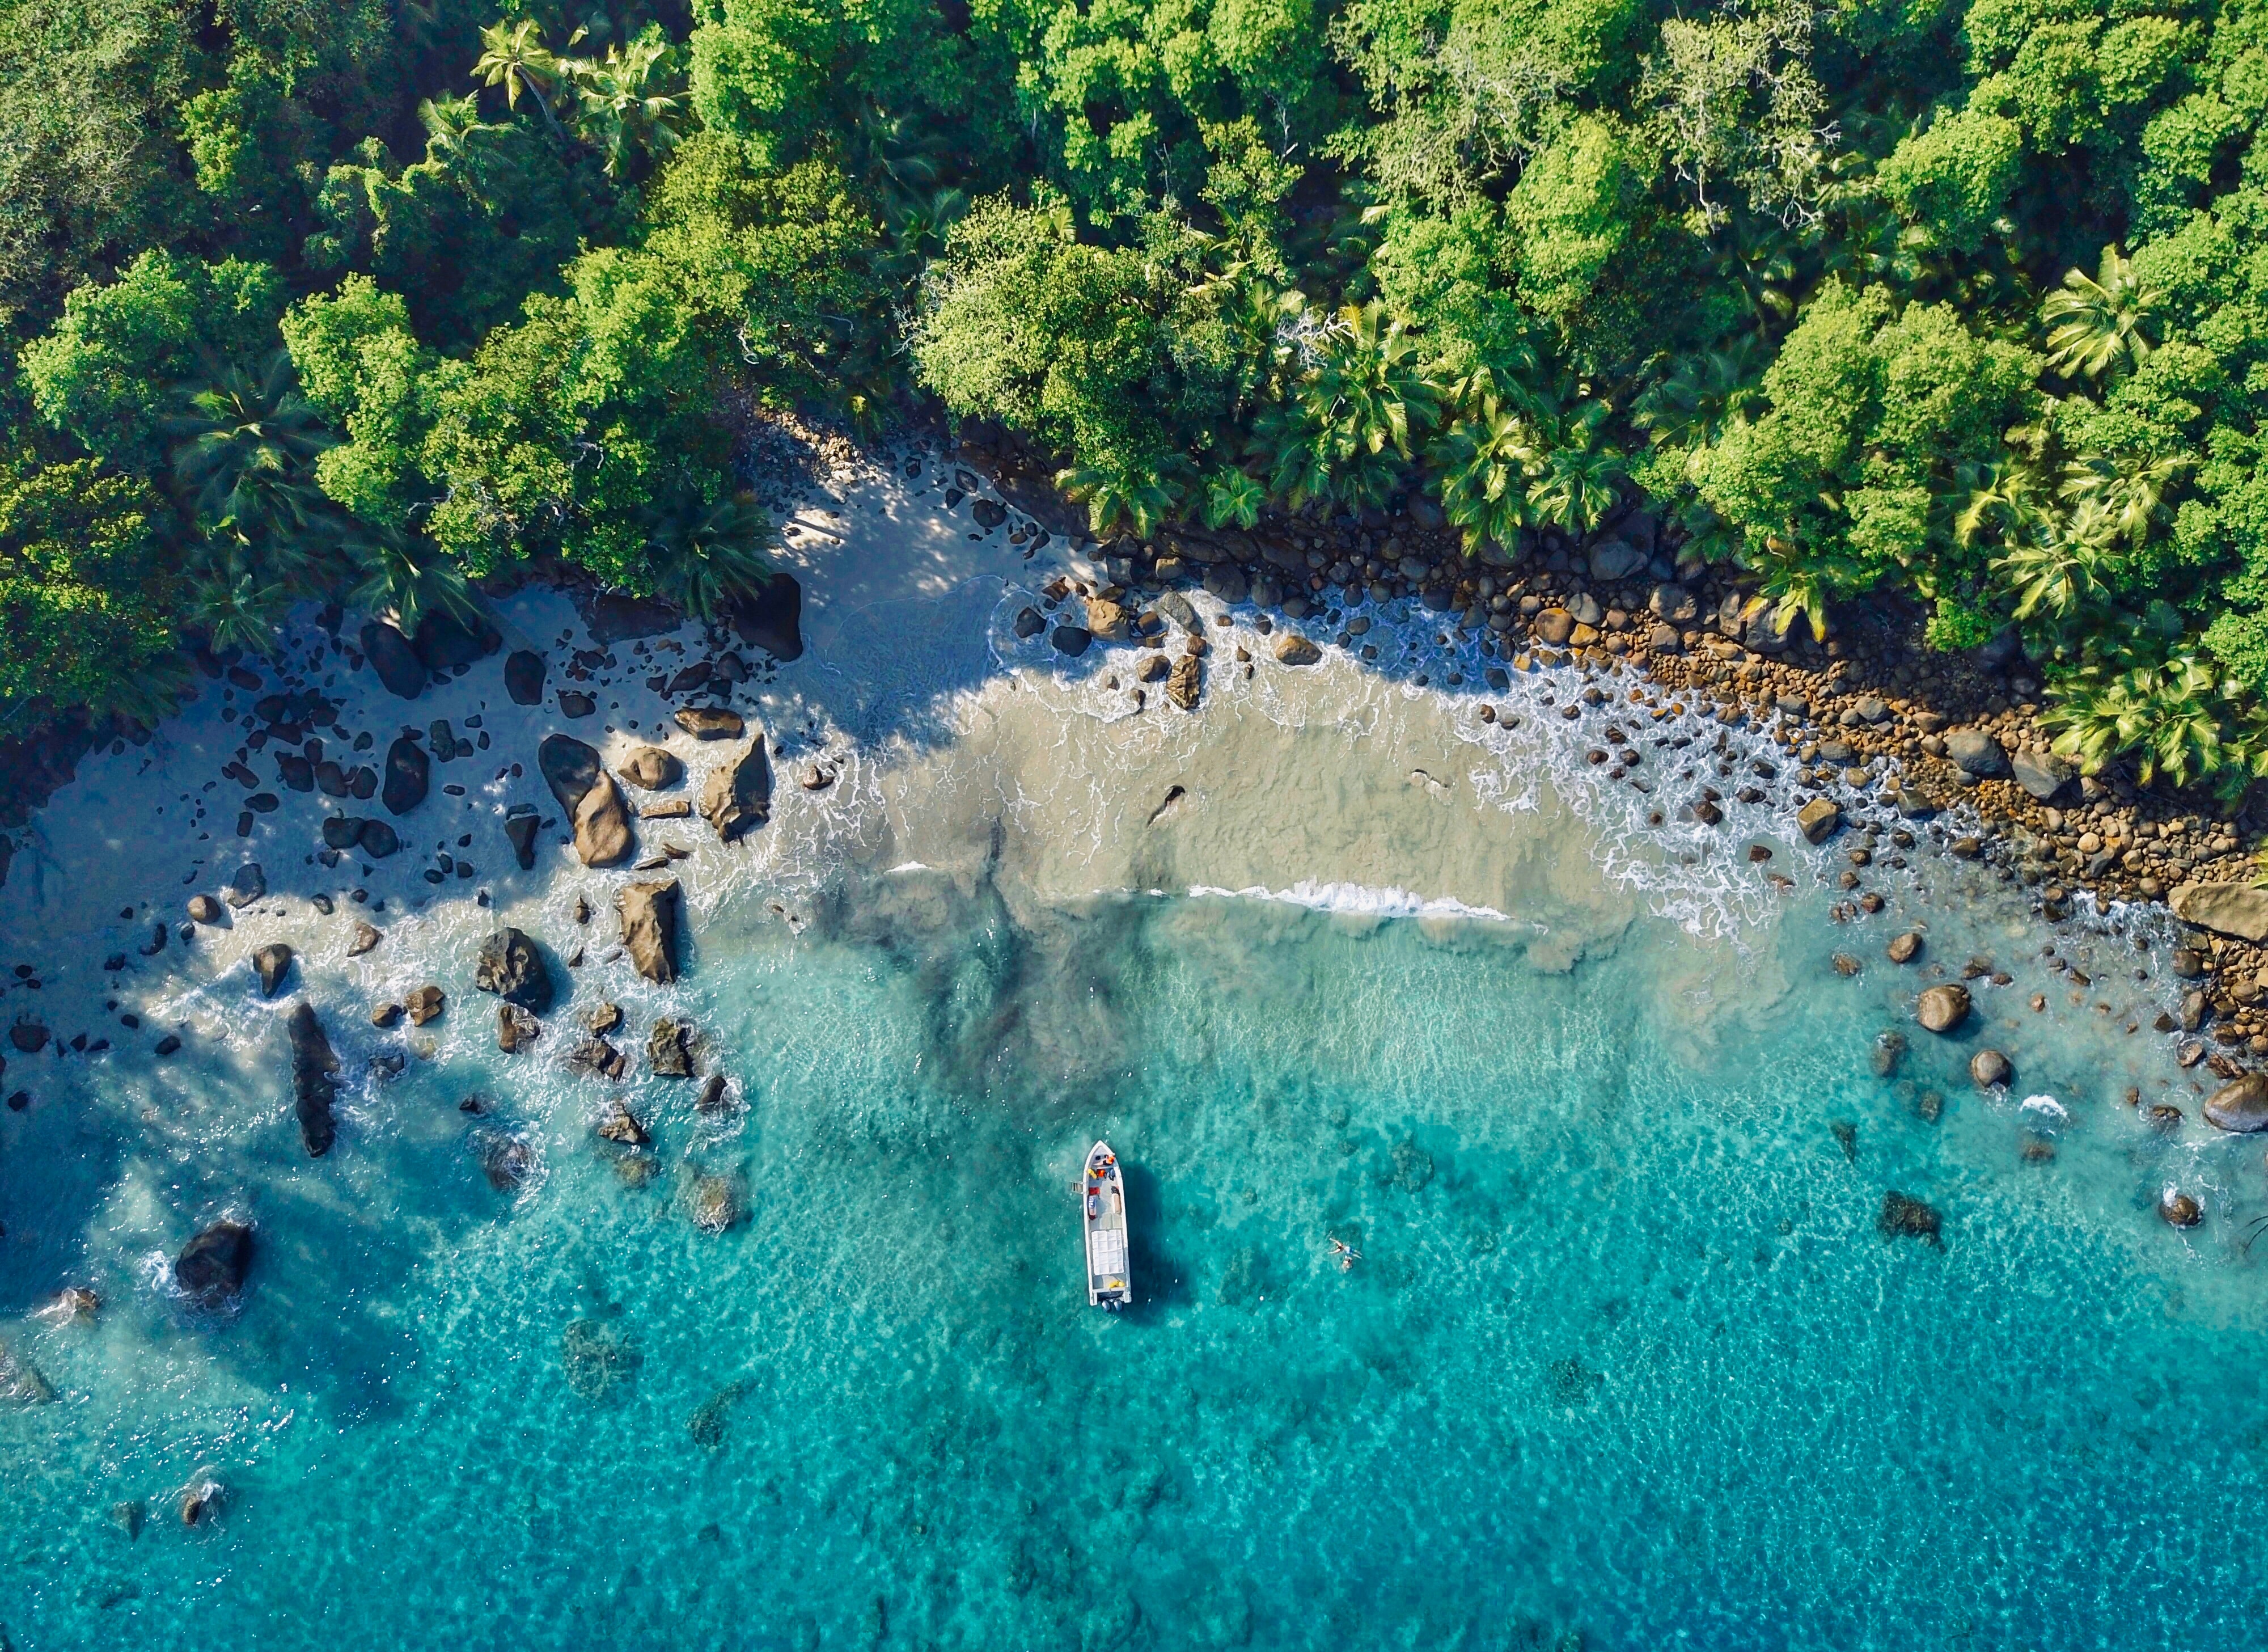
{"x":102,"y":375}
{"x":85,"y":599}
{"x":1805,"y":277}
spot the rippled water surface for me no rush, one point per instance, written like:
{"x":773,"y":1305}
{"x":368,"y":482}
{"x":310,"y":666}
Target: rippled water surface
{"x":1624,"y":1356}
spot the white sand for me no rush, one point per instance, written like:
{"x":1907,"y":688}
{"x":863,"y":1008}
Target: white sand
{"x":958,"y":748}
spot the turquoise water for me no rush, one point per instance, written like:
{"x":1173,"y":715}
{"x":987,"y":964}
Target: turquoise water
{"x":1624,"y":1363}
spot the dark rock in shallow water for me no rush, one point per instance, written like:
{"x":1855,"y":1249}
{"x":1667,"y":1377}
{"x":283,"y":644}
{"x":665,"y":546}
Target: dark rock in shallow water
{"x":664,"y":1050}
{"x":520,"y":833}
{"x":738,"y":794}
{"x":272,"y":962}
{"x":2241,"y":1105}
{"x":621,"y":1126}
{"x":505,"y":1161}
{"x":1073,"y":640}
{"x":20,"y":1382}
{"x":1904,"y":1217}
{"x":1989,"y":1068}
{"x":407,"y":773}
{"x":379,"y":840}
{"x":2178,"y":1209}
{"x":313,"y":1067}
{"x":600,"y":1360}
{"x":773,"y":619}
{"x":510,"y":966}
{"x":341,"y":831}
{"x":1942,"y":1009}
{"x":707,"y":1422}
{"x":247,"y":885}
{"x":1029,"y":622}
{"x":395,"y":661}
{"x":649,"y":913}
{"x":523,"y":677}
{"x":1847,"y":1137}
{"x":212,"y":1265}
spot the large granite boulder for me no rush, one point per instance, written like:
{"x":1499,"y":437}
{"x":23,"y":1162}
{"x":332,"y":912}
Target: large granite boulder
{"x":444,"y":642}
{"x":652,"y":767}
{"x":649,"y":912}
{"x":523,"y":677}
{"x":772,"y":619}
{"x":2226,"y":909}
{"x":313,"y":1068}
{"x":2042,"y":774}
{"x":510,"y":966}
{"x":738,"y":794}
{"x":211,"y":1267}
{"x":395,"y":661}
{"x":408,"y":772}
{"x":272,"y":962}
{"x":594,"y":802}
{"x":1941,"y":1009}
{"x":2241,"y":1105}
{"x":1975,"y":752}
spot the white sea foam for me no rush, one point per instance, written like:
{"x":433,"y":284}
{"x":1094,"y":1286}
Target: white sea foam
{"x":1358,"y":899}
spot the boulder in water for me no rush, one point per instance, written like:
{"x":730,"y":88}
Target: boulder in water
{"x":710,"y":722}
{"x":738,"y":794}
{"x":649,"y":913}
{"x":1906,"y":947}
{"x":652,"y":767}
{"x":1819,"y":819}
{"x":425,"y":1004}
{"x":2178,"y":1209}
{"x":2241,"y":1105}
{"x":407,"y":773}
{"x":519,"y":832}
{"x":1295,"y":650}
{"x":714,"y":1202}
{"x":445,"y":642}
{"x":313,"y":1067}
{"x":395,"y":661}
{"x":1186,"y":681}
{"x":20,"y":1382}
{"x":505,"y":1161}
{"x":1905,"y":1217}
{"x":664,"y":1050}
{"x":379,"y":840}
{"x":510,"y":966}
{"x":1940,"y":1009}
{"x":516,"y":1029}
{"x":212,"y":1265}
{"x":620,"y":1126}
{"x":1989,"y":1068}
{"x":204,"y":909}
{"x":272,"y":962}
{"x":246,"y":885}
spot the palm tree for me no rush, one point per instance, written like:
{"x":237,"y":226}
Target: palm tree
{"x":410,"y":577}
{"x":1125,"y":492}
{"x":1232,"y":496}
{"x":705,"y":555}
{"x":235,"y":610}
{"x":243,"y":454}
{"x":2095,"y":323}
{"x":514,"y":56}
{"x":2161,"y":711}
{"x":1483,"y":467}
{"x":1347,"y":430}
{"x":1580,"y":472}
{"x":2006,"y":498}
{"x":624,"y":113}
{"x":2062,"y":571}
{"x":1704,"y":393}
{"x":2129,"y":488}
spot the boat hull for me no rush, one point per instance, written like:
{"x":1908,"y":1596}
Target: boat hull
{"x":1103,"y":1214}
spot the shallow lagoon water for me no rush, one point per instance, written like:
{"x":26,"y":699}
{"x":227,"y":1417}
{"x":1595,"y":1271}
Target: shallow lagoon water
{"x":1624,"y":1353}
{"x":1625,"y":1357}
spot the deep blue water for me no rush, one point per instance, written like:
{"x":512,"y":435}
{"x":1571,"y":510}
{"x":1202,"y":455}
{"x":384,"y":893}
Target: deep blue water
{"x":1625,"y":1362}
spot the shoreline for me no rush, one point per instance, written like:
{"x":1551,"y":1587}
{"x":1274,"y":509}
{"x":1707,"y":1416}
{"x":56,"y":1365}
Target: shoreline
{"x":1868,"y":711}
{"x":869,"y":725}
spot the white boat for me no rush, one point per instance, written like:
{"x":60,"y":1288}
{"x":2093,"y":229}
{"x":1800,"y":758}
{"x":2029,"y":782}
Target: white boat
{"x":1103,"y":1199}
